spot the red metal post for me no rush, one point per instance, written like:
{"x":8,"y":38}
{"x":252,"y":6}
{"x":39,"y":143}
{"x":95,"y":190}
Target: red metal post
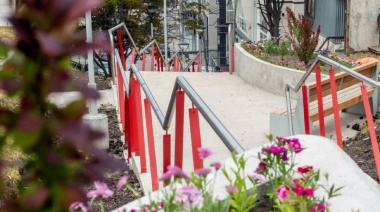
{"x":139,"y":124}
{"x":199,"y":63}
{"x":334,"y":97}
{"x":120,"y":89}
{"x":168,"y":65}
{"x":157,"y":60}
{"x":133,"y":56}
{"x":151,"y":147}
{"x":195,"y":137}
{"x":132,"y":145}
{"x":179,"y":125}
{"x":175,"y":64}
{"x":193,"y":66}
{"x":305,"y":102}
{"x":152,"y":59}
{"x":162,"y":62}
{"x":143,"y":61}
{"x":121,"y":48}
{"x":166,"y":151}
{"x":127,"y":126}
{"x":320,"y":101}
{"x":371,"y":128}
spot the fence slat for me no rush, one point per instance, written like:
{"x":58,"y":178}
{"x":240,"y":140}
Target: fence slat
{"x":152,"y":58}
{"x":371,"y":128}
{"x":151,"y":147}
{"x":305,"y":102}
{"x":139,"y":124}
{"x":179,"y":127}
{"x":320,"y":101}
{"x":334,"y":97}
{"x":195,"y":133}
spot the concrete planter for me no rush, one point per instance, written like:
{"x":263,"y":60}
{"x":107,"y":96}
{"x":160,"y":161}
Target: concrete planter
{"x":264,"y":75}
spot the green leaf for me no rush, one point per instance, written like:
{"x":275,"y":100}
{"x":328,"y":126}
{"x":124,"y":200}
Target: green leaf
{"x":26,"y":139}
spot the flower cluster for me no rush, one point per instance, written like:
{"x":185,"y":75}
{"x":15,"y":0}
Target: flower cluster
{"x":293,"y":187}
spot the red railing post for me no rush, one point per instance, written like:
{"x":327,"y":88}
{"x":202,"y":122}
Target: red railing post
{"x":199,"y":63}
{"x":195,"y":137}
{"x":334,"y":97}
{"x":168,"y":65}
{"x":305,"y":102}
{"x":157,"y":60}
{"x":132,"y":145}
{"x":121,"y":48}
{"x":320,"y":101}
{"x":175,"y":64}
{"x":151,"y":147}
{"x":133,"y":56}
{"x":166,"y":152}
{"x":121,"y":94}
{"x":179,"y":125}
{"x":193,"y":67}
{"x":152,"y":58}
{"x":127,"y":125}
{"x":143,"y":61}
{"x":371,"y":128}
{"x":138,"y":121}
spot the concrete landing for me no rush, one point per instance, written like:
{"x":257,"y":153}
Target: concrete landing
{"x":243,"y":109}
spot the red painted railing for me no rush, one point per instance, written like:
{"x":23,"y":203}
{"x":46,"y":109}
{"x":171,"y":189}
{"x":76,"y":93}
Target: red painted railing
{"x":334,"y":96}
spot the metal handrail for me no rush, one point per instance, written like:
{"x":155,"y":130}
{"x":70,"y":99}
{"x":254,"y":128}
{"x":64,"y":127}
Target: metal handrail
{"x":227,"y":138}
{"x":307,"y":74}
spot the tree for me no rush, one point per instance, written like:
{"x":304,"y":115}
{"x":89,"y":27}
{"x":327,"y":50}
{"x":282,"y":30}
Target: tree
{"x":271,"y":13}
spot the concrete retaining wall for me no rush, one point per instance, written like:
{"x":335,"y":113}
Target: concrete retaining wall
{"x":264,"y":75}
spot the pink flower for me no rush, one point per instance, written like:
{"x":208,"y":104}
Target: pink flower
{"x":294,"y":144}
{"x":258,"y":177}
{"x":304,"y":169}
{"x":282,"y":192}
{"x":276,"y":149}
{"x":309,"y":192}
{"x":261,"y":167}
{"x":101,"y":189}
{"x":78,"y":206}
{"x":203,"y":171}
{"x":204,"y":152}
{"x":121,"y":182}
{"x":302,"y":191}
{"x":190,"y":196}
{"x":231,"y":189}
{"x":217,"y":165}
{"x":174,"y":171}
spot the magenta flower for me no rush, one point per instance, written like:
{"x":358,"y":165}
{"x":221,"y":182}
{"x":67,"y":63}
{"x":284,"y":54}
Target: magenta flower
{"x":190,"y":196}
{"x":75,"y":206}
{"x":231,"y":189}
{"x":101,"y":189}
{"x":276,"y":149}
{"x":261,"y":167}
{"x":204,"y":152}
{"x":121,"y":182}
{"x":174,"y":171}
{"x":217,"y":165}
{"x":203,"y":171}
{"x":282,"y":192}
{"x":258,"y":177}
{"x":304,"y":169}
{"x":294,"y":144}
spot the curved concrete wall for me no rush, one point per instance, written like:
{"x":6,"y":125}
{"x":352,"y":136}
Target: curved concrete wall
{"x":264,"y":75}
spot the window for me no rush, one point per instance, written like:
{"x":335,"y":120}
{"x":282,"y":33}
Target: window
{"x":310,"y":9}
{"x":243,"y":26}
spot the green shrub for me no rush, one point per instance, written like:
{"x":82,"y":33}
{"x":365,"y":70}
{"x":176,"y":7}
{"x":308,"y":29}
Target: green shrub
{"x":269,"y":46}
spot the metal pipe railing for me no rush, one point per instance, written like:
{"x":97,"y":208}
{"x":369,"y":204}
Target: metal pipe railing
{"x":307,"y":74}
{"x":227,"y":138}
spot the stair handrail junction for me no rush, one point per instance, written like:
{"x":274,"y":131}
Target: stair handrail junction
{"x":307,"y":74}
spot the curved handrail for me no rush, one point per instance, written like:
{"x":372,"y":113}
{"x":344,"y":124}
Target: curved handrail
{"x":210,"y":117}
{"x":307,"y":74}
